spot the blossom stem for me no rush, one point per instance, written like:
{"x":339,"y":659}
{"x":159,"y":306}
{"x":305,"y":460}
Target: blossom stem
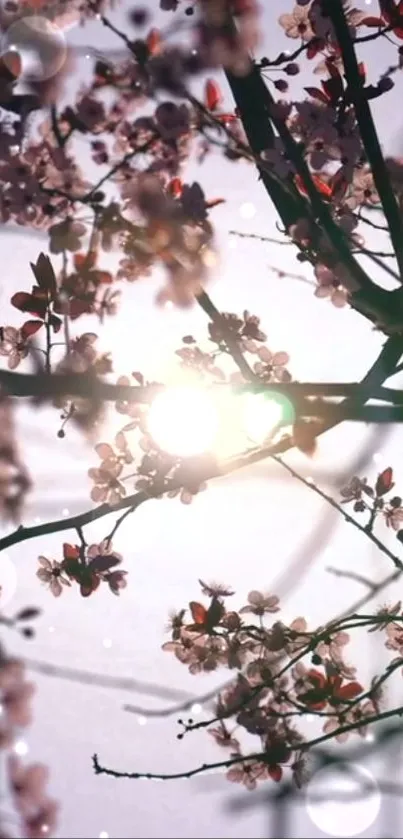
{"x":363,"y":529}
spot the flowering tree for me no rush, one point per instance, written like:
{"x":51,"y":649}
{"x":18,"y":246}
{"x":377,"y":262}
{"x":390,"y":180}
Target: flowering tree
{"x":322,"y":166}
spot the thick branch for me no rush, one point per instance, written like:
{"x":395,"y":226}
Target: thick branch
{"x":356,"y":91}
{"x":382,"y":368}
{"x":43,"y":386}
{"x":256,"y":109}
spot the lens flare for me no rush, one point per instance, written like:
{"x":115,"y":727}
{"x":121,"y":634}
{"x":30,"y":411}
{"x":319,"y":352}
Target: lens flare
{"x":39,"y":43}
{"x":260,"y":416}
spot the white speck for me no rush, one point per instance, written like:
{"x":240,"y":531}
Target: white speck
{"x":196,"y":708}
{"x":37,"y":520}
{"x":65,"y":511}
{"x":309,"y":479}
{"x":141,"y":720}
{"x":104,"y":834}
{"x":1,"y":710}
{"x":377,"y":457}
{"x":45,"y":828}
{"x":107,"y":643}
{"x":51,"y":629}
{"x":370,"y":737}
{"x":88,"y":56}
{"x":21,"y":748}
{"x":247,"y":210}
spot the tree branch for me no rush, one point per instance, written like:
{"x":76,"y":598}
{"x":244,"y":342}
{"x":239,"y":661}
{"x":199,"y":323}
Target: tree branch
{"x":367,"y":128}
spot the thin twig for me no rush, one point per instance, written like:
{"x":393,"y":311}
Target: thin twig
{"x":396,"y":561}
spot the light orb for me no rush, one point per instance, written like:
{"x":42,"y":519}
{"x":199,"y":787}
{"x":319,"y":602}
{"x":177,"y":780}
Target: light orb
{"x":21,"y":748}
{"x":40,"y":44}
{"x":260,"y":416}
{"x":343,"y":803}
{"x":183,"y":421}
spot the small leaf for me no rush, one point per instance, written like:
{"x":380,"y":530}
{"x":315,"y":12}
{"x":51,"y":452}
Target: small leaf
{"x":175,"y":187}
{"x":11,"y":63}
{"x":314,"y":47}
{"x":28,"y":614}
{"x":55,"y":323}
{"x":315,"y":93}
{"x":28,"y":303}
{"x":103,"y":563}
{"x":44,"y":273}
{"x":371,"y":20}
{"x":30,"y":327}
{"x":212,"y":95}
{"x":384,"y":482}
{"x":153,"y":41}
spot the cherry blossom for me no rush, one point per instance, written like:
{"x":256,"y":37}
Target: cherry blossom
{"x":297,"y":24}
{"x":51,"y":573}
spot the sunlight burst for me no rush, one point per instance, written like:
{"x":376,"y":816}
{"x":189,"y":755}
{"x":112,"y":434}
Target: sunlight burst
{"x":183,"y":421}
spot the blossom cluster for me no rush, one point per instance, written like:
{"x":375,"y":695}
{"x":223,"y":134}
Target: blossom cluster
{"x":37,"y":812}
{"x":283,"y":673}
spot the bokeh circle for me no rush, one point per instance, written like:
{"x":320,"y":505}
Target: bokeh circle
{"x":343,"y":801}
{"x":41,"y":45}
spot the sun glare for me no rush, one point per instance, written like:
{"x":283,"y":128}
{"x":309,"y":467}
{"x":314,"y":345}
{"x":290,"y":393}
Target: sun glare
{"x":260,"y":417}
{"x":183,"y":421}
{"x":187,"y":420}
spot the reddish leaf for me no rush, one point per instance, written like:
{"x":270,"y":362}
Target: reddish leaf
{"x":104,"y":277}
{"x":372,"y":21}
{"x":55,"y":323}
{"x":175,"y":187}
{"x":30,"y":303}
{"x":227,"y":117}
{"x":322,"y":187}
{"x":275,"y":772}
{"x":212,"y":94}
{"x":103,"y":563}
{"x":305,"y":437}
{"x":70,"y":551}
{"x":384,"y":482}
{"x":30,"y":327}
{"x":215,"y":612}
{"x":214,"y":203}
{"x":338,"y":184}
{"x":198,"y":612}
{"x":349,"y":691}
{"x":315,"y":46}
{"x":89,"y":585}
{"x":44,"y":274}
{"x":85,"y":261}
{"x":315,"y":93}
{"x":333,"y":87}
{"x":11,"y":63}
{"x":362,"y":69}
{"x":153,"y":41}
